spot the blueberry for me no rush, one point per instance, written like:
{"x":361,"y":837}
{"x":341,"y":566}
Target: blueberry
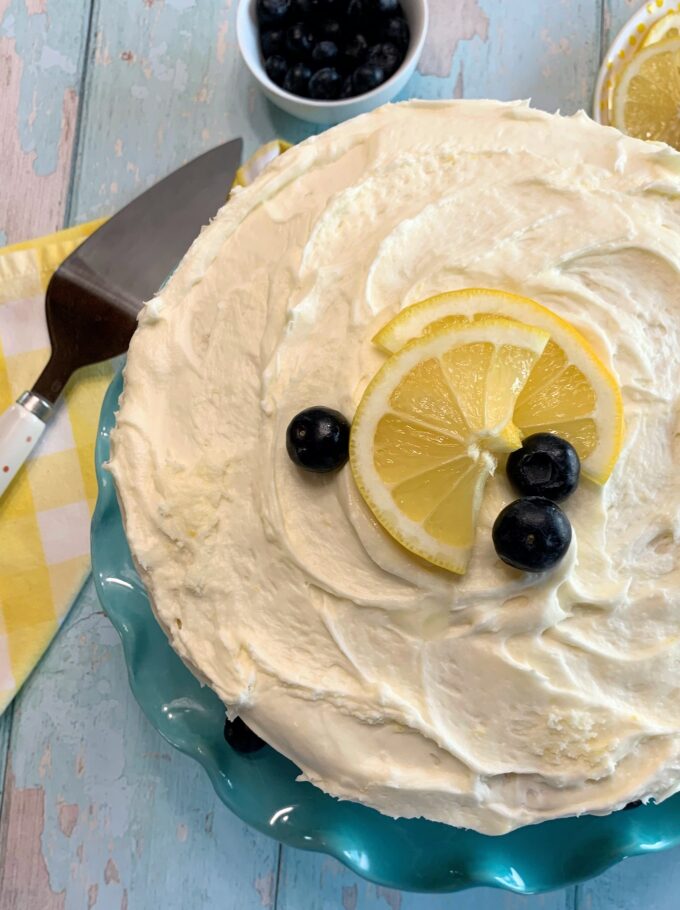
{"x":367,"y":77}
{"x":356,"y":49}
{"x":347,"y":88}
{"x":297,"y":80}
{"x":384,"y":7}
{"x":313,"y":9}
{"x":325,"y":52}
{"x":271,"y":12}
{"x":634,"y":805}
{"x":317,"y":439}
{"x":357,"y":9}
{"x":396,"y":31}
{"x":331,"y":30}
{"x":386,"y":56}
{"x":299,"y":40}
{"x":305,"y":9}
{"x":241,"y":738}
{"x":546,"y":465}
{"x":276,"y":68}
{"x":326,"y":84}
{"x":531,"y":534}
{"x":272,"y":42}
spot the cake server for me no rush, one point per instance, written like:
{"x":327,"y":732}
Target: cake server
{"x":93,"y":298}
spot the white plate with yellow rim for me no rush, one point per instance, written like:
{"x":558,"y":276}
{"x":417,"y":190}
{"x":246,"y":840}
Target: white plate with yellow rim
{"x":623,"y":47}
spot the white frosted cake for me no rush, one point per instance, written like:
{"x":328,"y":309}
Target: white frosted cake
{"x":490,"y":699}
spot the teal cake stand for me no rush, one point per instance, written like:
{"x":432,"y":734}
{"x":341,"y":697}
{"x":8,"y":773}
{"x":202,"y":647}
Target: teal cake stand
{"x":261,"y":788}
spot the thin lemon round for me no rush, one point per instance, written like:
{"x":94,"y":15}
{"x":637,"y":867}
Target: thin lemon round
{"x":570,"y":391}
{"x":647,"y":95}
{"x":665,"y":28}
{"x":427,"y":426}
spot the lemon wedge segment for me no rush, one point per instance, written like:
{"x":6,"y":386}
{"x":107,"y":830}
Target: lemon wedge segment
{"x":647,"y":95}
{"x":666,"y":27}
{"x":570,"y":391}
{"x":427,"y":425}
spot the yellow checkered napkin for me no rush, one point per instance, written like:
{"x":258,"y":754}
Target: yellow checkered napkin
{"x":45,"y":514}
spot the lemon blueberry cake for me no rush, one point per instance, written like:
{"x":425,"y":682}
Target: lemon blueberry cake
{"x":398,"y":458}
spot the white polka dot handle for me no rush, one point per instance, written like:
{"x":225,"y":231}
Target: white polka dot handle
{"x":20,"y":430}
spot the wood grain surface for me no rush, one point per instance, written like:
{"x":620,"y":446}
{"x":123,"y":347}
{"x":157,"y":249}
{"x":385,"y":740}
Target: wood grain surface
{"x":99,"y":98}
{"x":42,"y":60}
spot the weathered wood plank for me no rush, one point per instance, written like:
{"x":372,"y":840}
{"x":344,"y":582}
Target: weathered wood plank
{"x":100,"y":811}
{"x":42,"y":46}
{"x":642,"y":883}
{"x":496,"y":49}
{"x":165,"y":83}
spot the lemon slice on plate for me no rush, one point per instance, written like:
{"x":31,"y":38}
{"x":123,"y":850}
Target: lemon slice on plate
{"x":570,"y":391}
{"x":666,"y":27}
{"x":647,"y":95}
{"x":424,"y":431}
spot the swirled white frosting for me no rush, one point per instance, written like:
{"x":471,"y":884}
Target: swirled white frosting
{"x":489,"y":701}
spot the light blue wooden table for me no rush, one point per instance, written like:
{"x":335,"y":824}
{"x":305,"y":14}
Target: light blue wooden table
{"x":99,"y":98}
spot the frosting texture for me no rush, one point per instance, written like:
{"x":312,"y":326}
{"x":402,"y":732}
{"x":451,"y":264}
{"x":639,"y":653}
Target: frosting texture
{"x":489,"y":701}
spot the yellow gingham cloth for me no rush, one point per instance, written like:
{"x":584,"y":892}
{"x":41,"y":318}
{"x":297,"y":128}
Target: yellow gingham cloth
{"x":45,"y":513}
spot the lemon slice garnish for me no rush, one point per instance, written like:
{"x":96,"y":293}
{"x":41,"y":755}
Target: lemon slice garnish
{"x":667,"y":26}
{"x":647,"y":95}
{"x":427,"y":425}
{"x":570,"y":391}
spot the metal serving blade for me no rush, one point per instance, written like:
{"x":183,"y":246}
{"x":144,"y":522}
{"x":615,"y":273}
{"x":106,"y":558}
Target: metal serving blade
{"x":93,"y":298}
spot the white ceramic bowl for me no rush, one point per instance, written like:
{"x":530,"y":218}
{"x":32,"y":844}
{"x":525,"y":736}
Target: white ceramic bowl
{"x":330,"y":111}
{"x":624,"y":46}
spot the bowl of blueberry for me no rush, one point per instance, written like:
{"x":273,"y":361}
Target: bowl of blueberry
{"x":327,"y":60}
